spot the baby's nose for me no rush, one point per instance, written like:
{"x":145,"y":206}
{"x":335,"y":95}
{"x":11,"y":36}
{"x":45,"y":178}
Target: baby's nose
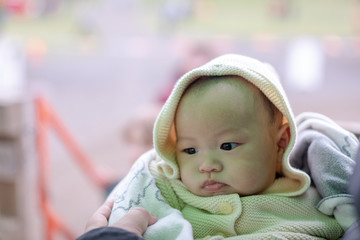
{"x":210,"y":164}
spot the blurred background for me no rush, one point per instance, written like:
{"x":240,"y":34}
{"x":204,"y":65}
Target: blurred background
{"x":104,"y":67}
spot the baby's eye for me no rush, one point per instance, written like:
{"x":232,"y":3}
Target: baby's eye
{"x":228,"y":146}
{"x":190,"y":150}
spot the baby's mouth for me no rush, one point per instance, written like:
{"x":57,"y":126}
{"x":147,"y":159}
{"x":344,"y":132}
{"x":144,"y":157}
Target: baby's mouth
{"x":212,"y":185}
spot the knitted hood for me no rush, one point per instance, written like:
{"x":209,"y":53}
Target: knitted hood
{"x":262,"y":75}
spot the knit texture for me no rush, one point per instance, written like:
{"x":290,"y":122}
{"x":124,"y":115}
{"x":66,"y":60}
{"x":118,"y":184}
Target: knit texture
{"x":260,"y":74}
{"x":252,"y":217}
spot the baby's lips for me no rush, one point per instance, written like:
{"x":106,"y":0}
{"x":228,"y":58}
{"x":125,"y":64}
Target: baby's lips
{"x":212,"y":185}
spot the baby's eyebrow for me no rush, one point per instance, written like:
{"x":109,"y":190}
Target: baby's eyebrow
{"x":227,"y":131}
{"x":184,"y":138}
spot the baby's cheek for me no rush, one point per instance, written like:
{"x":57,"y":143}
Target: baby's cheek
{"x":186,"y":170}
{"x":245,"y":173}
{"x":188,"y":173}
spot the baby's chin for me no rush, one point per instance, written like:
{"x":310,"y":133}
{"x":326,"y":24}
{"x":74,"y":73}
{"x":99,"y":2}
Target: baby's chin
{"x":203,"y":193}
{"x":211,"y":194}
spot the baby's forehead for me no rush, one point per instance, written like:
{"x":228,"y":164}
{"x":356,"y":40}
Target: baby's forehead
{"x":205,"y":83}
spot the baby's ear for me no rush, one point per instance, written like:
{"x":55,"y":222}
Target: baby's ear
{"x":282,"y":141}
{"x":283,"y":137}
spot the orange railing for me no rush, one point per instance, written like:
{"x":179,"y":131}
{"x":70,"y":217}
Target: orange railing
{"x":47,"y":119}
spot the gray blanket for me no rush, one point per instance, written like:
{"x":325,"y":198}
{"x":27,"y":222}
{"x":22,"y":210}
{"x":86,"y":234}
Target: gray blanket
{"x":329,"y":166}
{"x":327,"y":153}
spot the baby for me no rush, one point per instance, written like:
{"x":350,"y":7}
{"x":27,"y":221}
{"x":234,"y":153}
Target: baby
{"x":224,"y":146}
{"x":220,"y":168}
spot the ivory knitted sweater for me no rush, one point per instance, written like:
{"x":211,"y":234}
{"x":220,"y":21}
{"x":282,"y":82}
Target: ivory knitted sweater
{"x":286,"y":210}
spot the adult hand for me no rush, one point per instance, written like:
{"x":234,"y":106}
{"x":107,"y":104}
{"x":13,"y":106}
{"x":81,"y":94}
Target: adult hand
{"x":136,"y":220}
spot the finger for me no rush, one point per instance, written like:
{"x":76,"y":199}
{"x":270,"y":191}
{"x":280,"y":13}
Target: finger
{"x":105,"y":209}
{"x":148,"y":218}
{"x":136,"y":220}
{"x":100,"y":217}
{"x":153,"y":219}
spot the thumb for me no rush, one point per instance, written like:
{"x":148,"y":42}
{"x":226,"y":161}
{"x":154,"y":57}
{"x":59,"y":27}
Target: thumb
{"x":100,"y":217}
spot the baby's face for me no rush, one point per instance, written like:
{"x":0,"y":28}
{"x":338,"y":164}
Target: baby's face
{"x":225,"y":143}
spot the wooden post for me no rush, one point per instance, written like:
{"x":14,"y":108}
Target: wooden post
{"x":12,"y":225}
